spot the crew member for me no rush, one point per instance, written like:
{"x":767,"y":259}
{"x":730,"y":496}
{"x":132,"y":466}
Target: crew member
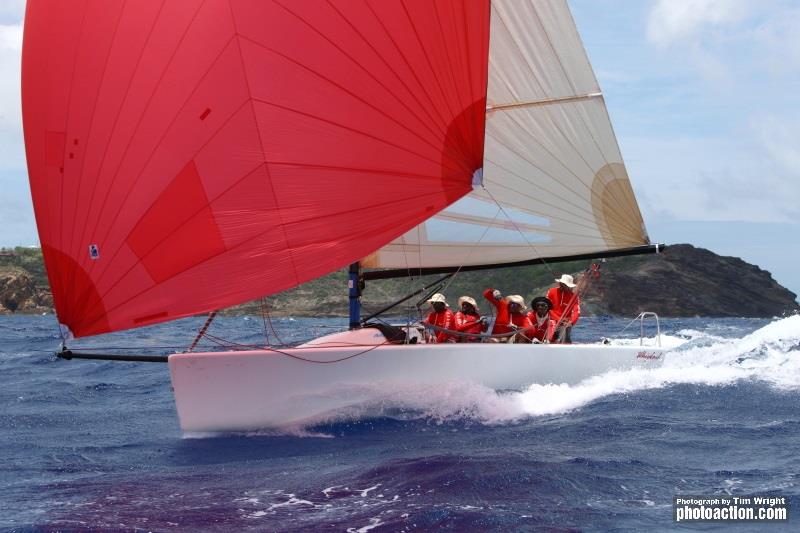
{"x":467,"y":319}
{"x":510,"y":316}
{"x":566,"y":308}
{"x":441,"y":316}
{"x":542,"y":326}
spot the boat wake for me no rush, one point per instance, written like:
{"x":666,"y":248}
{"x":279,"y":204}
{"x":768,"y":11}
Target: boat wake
{"x":770,"y":354}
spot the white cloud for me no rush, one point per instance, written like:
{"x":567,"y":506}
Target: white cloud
{"x":742,"y":162}
{"x":711,"y":179}
{"x":11,"y":37}
{"x":672,"y":21}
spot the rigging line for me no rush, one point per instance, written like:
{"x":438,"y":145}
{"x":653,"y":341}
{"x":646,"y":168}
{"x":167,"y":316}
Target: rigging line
{"x":530,"y":244}
{"x":517,"y":330}
{"x":306,"y":360}
{"x":264,"y":321}
{"x":416,"y":308}
{"x":272,"y":327}
{"x":294,"y":356}
{"x":202,"y":331}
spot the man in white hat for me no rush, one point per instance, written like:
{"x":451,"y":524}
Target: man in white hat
{"x":468,"y":320}
{"x":441,"y":316}
{"x":566,"y":308}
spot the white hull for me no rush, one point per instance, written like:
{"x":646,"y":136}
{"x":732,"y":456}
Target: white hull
{"x":235,"y":391}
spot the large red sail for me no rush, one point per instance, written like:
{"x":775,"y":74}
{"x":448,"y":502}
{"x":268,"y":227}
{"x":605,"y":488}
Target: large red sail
{"x":187,"y":156}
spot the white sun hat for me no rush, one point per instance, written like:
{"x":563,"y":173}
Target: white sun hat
{"x":517,"y":299}
{"x":566,"y":279}
{"x":438,"y":297}
{"x":470,"y":300}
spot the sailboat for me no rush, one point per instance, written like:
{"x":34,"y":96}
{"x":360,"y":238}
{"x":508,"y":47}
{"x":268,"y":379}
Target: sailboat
{"x":188,"y":156}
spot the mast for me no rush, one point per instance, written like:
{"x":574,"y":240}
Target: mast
{"x":354,"y":293}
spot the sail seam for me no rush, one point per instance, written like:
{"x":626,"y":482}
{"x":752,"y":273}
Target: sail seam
{"x":388,"y":66}
{"x":353,"y":95}
{"x":380,"y":111}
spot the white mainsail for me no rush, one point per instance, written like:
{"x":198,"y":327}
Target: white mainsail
{"x":554,"y":183}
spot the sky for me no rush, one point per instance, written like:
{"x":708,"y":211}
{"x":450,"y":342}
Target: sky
{"x":702,"y":95}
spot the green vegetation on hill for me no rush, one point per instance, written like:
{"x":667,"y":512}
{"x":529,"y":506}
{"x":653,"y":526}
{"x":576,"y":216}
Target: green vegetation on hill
{"x":28,"y":259}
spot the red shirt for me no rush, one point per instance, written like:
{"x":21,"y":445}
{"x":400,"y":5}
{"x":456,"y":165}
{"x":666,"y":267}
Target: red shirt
{"x":504,"y":318}
{"x":564,"y":305}
{"x":543,"y":331}
{"x":445,"y":320}
{"x":468,"y":324}
{"x":501,"y":319}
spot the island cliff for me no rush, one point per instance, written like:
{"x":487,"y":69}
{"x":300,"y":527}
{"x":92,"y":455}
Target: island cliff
{"x":680,"y":282}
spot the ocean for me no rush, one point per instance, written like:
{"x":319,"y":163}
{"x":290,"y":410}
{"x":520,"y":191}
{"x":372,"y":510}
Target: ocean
{"x":95,"y":446}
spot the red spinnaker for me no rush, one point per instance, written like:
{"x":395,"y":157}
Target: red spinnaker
{"x":187,"y":156}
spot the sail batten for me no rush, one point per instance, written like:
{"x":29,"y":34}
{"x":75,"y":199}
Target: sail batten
{"x":559,"y":100}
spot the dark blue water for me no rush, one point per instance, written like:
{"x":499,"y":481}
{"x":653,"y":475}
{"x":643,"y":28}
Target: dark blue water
{"x":96,"y":445}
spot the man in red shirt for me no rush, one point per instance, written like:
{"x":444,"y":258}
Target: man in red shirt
{"x":566,"y":308}
{"x":510,"y":315}
{"x":442,"y":317}
{"x":542,"y":326}
{"x":467,"y":319}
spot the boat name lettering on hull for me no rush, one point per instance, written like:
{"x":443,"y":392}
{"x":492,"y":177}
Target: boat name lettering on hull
{"x":649,"y":355}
